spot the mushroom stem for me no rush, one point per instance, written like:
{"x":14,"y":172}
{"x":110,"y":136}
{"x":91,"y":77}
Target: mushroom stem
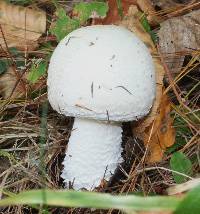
{"x":93,"y":153}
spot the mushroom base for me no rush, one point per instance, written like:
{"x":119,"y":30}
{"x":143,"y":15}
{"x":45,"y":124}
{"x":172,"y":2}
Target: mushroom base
{"x":93,"y":153}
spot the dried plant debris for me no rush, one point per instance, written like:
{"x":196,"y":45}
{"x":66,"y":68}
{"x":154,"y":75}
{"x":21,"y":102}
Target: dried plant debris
{"x":20,"y":122}
{"x":10,"y":85}
{"x":160,"y":134}
{"x":20,"y":27}
{"x":166,"y":4}
{"x":147,"y":7}
{"x":179,"y":37}
{"x":14,"y":85}
{"x":117,"y":10}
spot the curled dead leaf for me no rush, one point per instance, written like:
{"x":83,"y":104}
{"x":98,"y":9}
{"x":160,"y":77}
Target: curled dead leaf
{"x":159,"y":134}
{"x":20,"y":27}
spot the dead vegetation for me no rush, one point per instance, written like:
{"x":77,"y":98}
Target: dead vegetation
{"x":30,"y":158}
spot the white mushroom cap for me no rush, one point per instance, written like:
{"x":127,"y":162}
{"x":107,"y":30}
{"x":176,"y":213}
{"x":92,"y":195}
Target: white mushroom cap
{"x":101,"y":72}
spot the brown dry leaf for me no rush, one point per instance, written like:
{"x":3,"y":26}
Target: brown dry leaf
{"x":132,"y":22}
{"x":179,"y":37}
{"x":21,"y":26}
{"x":161,"y":136}
{"x":9,"y":84}
{"x":14,"y":86}
{"x":113,"y":14}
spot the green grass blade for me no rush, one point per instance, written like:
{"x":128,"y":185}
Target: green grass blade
{"x":191,"y":203}
{"x":64,"y":198}
{"x":120,"y":9}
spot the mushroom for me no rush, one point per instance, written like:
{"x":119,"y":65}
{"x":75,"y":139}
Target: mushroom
{"x":102,"y":75}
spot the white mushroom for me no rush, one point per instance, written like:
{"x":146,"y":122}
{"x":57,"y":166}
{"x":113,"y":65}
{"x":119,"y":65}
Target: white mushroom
{"x":102,"y":75}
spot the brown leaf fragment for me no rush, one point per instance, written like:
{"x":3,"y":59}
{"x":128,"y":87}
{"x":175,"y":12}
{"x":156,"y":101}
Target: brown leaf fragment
{"x":179,"y":37}
{"x":159,"y":134}
{"x":10,"y":85}
{"x":113,"y":15}
{"x":132,"y":22}
{"x":20,"y":26}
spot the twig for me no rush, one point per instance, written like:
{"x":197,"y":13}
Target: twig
{"x":156,"y":168}
{"x":181,"y":11}
{"x":183,"y":187}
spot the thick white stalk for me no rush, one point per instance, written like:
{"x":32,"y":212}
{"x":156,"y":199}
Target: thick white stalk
{"x":93,"y":153}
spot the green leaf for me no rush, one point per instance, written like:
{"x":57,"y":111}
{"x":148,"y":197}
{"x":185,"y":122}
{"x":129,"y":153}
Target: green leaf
{"x":183,"y":133}
{"x":147,"y":27}
{"x":86,"y":10}
{"x":191,"y":203}
{"x":37,"y":71}
{"x":64,"y":198}
{"x":4,"y":64}
{"x":64,"y":25}
{"x":180,"y":163}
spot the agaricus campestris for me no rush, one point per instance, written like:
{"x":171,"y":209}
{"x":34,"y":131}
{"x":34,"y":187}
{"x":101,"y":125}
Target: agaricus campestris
{"x":102,"y":75}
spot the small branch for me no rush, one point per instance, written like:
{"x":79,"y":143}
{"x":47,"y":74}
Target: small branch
{"x":137,"y":172}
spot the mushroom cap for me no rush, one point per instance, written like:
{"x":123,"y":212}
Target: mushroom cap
{"x":102,"y":72}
